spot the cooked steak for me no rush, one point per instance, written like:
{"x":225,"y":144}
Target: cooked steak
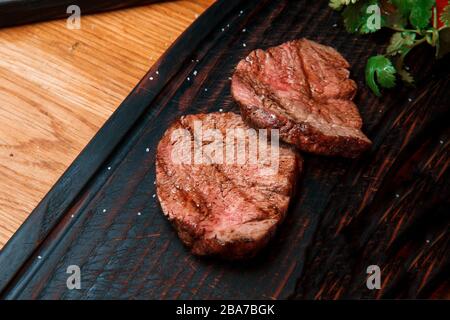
{"x":303,"y":89}
{"x":230,"y":209}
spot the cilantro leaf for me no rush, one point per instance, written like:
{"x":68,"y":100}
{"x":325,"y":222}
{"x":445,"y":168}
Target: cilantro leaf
{"x":358,"y":17}
{"x":395,"y":19}
{"x":405,"y":76}
{"x":445,"y":16}
{"x":400,"y":41}
{"x":336,"y":4}
{"x":404,"y":6}
{"x":380,"y":67}
{"x":352,"y":18}
{"x":421,"y":11}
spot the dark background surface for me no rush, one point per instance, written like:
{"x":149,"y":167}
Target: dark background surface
{"x":389,"y":207}
{"x":17,"y":12}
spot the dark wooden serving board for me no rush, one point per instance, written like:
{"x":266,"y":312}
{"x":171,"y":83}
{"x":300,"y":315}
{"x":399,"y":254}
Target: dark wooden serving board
{"x":17,"y":12}
{"x":389,"y":208}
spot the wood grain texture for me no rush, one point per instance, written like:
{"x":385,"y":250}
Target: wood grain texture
{"x":58,"y":86}
{"x":388,"y":208}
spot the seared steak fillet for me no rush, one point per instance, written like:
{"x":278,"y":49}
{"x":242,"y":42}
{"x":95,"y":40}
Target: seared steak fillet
{"x":303,"y":89}
{"x":228,"y":209}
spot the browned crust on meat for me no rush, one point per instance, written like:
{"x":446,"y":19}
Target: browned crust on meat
{"x":191,"y":231}
{"x":305,"y":135}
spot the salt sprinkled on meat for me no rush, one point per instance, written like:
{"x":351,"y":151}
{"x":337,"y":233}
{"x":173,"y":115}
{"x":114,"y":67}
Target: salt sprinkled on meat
{"x":232,"y":210}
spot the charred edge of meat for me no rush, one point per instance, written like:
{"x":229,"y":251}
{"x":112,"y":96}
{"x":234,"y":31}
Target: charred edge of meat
{"x":304,"y":135}
{"x":307,"y":135}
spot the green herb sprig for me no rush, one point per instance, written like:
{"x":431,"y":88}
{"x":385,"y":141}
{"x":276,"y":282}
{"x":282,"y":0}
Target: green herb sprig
{"x":414,"y":22}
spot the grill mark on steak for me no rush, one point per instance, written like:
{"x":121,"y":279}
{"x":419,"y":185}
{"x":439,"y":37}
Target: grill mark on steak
{"x":303,"y":89}
{"x":216,"y":167}
{"x":207,"y":229}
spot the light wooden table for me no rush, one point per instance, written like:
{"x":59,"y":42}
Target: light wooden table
{"x":58,"y":87}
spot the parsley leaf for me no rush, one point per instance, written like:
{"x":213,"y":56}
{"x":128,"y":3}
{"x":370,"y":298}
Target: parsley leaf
{"x":445,"y":16}
{"x":380,"y":67}
{"x":421,"y":11}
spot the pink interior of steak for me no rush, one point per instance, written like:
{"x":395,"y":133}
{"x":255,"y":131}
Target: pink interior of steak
{"x":224,"y":203}
{"x":303,"y":81}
